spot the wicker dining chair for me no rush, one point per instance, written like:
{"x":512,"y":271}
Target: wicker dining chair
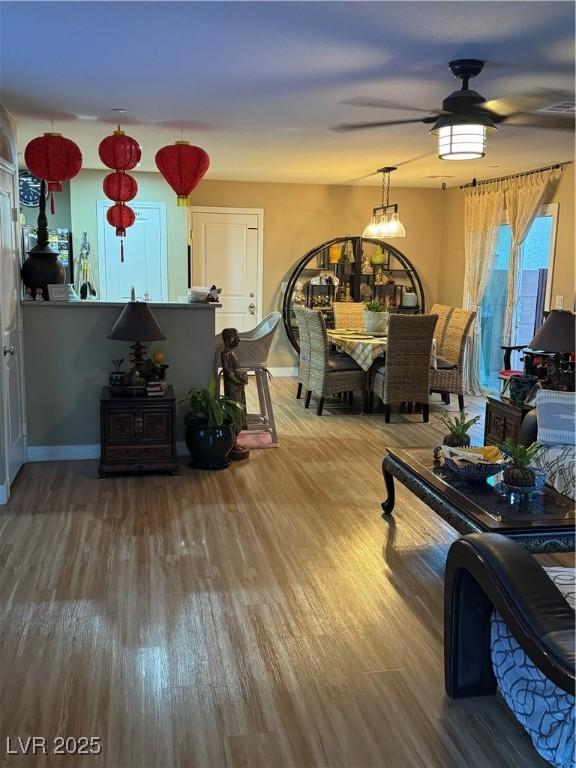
{"x":329,"y":374}
{"x":304,"y":356}
{"x":448,"y":377}
{"x":348,"y":314}
{"x":443,"y":311}
{"x":404,"y":377}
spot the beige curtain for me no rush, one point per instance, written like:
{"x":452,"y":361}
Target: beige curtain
{"x":523,"y":196}
{"x":483,"y":211}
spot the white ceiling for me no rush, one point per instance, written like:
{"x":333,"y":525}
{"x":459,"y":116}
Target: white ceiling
{"x":258,"y":84}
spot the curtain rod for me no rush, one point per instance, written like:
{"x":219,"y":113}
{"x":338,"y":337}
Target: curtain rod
{"x":515,"y":175}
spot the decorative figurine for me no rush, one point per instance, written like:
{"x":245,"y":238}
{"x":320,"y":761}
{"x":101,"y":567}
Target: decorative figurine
{"x":214,"y":294}
{"x":235,"y":379}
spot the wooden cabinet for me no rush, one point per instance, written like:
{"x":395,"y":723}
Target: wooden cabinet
{"x":502,"y":420}
{"x":137,"y":434}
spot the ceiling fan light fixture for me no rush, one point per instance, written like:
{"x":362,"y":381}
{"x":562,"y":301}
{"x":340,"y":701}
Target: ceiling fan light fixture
{"x":462,"y":137}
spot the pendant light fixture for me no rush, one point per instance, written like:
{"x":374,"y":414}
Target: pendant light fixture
{"x":385,"y":221}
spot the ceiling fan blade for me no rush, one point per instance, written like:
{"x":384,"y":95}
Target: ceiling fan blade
{"x":360,"y":101}
{"x":543,"y":97}
{"x":552,"y":122}
{"x":397,"y":165}
{"x":346,"y":127}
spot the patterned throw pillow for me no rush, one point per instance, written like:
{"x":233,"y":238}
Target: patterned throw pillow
{"x":556,"y":415}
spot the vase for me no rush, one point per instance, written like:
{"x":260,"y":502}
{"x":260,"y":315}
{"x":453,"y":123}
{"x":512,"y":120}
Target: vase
{"x":210,"y":446}
{"x":456,"y":442}
{"x":376,"y":322}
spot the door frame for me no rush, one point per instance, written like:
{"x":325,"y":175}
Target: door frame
{"x":101,"y":224}
{"x":12,"y":171}
{"x":259,"y":212}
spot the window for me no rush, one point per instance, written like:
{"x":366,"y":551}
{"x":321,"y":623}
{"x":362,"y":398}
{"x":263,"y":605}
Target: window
{"x":536,"y":265}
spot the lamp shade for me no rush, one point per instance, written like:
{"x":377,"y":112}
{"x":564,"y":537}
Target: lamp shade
{"x":556,"y":334}
{"x":136,"y":323}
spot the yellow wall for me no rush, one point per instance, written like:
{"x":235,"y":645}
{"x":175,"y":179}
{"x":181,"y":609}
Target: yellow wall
{"x":296,"y":218}
{"x":451,"y":283}
{"x":299,"y":216}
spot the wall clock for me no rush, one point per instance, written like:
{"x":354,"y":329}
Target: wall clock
{"x":29,"y":189}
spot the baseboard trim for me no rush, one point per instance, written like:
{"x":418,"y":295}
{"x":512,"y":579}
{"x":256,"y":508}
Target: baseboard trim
{"x":284,"y":372}
{"x":76,"y":453}
{"x":63,"y":452}
{"x":4,"y":493}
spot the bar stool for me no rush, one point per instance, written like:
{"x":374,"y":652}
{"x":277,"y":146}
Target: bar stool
{"x":252,"y":355}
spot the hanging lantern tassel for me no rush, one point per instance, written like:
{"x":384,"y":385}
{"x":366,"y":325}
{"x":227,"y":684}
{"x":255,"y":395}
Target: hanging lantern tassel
{"x":52,"y":206}
{"x":122,"y":251}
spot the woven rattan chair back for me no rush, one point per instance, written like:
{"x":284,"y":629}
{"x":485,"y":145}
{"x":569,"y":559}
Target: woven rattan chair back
{"x":453,"y":342}
{"x":406,"y":375}
{"x":348,"y":314}
{"x":319,"y":349}
{"x":304,"y":343}
{"x":443,"y":311}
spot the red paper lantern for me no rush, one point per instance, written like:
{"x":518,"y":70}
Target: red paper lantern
{"x":119,"y":151}
{"x":183,"y":166}
{"x":53,"y":158}
{"x":120,"y":216}
{"x":122,"y":153}
{"x":120,"y":186}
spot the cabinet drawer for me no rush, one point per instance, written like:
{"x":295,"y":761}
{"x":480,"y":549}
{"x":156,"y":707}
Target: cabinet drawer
{"x":141,"y":452}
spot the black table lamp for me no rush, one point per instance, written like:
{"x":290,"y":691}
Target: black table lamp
{"x":556,"y":337}
{"x":136,"y":323}
{"x":556,"y":333}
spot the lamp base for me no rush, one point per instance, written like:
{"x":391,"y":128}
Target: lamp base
{"x":137,"y":356}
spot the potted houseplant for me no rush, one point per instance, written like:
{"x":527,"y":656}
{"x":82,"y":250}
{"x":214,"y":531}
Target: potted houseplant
{"x":211,"y":425}
{"x":518,"y":472}
{"x":116,"y":377}
{"x":376,"y":316}
{"x":458,"y":427}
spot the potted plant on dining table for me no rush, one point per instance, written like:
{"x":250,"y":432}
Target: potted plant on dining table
{"x":376,"y":316}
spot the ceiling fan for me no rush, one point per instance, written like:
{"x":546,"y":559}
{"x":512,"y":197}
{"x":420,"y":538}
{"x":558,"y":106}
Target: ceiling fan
{"x":466,"y":116}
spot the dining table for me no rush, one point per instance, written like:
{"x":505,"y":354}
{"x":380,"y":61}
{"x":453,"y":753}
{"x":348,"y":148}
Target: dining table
{"x":365,"y":347}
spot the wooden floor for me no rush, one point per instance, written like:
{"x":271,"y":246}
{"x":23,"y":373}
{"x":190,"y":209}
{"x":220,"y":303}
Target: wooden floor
{"x":261,"y":616}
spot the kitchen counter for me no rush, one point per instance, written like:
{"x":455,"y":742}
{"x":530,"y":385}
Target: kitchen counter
{"x":67,"y":358}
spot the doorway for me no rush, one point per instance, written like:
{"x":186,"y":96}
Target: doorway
{"x":226,"y":250}
{"x":536,"y":265}
{"x":12,"y":409}
{"x":145,"y":264}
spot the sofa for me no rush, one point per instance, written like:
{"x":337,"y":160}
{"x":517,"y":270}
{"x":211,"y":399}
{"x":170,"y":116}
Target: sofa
{"x":509,"y":625}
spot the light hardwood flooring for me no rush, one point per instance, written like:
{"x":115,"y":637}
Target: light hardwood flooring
{"x":261,"y":616}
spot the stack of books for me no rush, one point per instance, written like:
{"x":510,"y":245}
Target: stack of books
{"x":156,"y":388}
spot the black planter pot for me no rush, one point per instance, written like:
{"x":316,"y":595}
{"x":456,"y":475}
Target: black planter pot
{"x":457,"y":442}
{"x":210,"y":446}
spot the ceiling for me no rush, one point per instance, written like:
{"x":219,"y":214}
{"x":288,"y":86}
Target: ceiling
{"x":258,"y":84}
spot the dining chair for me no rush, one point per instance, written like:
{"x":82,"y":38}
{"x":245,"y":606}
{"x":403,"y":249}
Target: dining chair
{"x":448,"y":376}
{"x":404,"y":376}
{"x":329,"y":374}
{"x":348,"y":314}
{"x":443,"y":311}
{"x":304,"y":355}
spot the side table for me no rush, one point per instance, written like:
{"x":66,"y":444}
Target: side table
{"x":137,"y":434}
{"x":502,"y":420}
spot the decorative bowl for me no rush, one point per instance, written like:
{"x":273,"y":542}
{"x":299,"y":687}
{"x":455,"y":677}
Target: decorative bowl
{"x":471,"y":470}
{"x":197,"y":293}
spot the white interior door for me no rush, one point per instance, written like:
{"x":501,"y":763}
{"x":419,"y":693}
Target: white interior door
{"x":145,"y":264}
{"x":11,"y":332}
{"x":225,"y":252}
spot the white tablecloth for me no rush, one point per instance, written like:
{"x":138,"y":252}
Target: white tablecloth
{"x":365,"y":351}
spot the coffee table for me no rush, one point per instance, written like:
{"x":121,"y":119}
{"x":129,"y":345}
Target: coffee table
{"x":546,"y":524}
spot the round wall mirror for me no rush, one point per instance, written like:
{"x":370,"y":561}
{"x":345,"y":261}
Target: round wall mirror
{"x":351,"y":269}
